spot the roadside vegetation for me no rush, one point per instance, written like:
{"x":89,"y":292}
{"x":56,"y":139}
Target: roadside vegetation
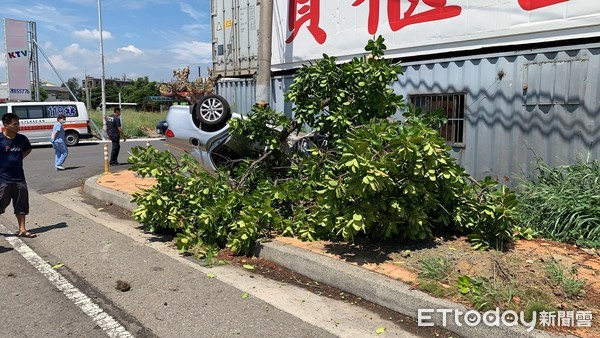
{"x":563,"y":203}
{"x":358,"y":174}
{"x":352,"y":173}
{"x":135,"y":123}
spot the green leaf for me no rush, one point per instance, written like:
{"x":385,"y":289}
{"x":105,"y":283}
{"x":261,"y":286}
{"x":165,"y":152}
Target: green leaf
{"x":245,"y":295}
{"x":211,"y":275}
{"x":248,"y":267}
{"x":57,"y":266}
{"x":380,"y":330}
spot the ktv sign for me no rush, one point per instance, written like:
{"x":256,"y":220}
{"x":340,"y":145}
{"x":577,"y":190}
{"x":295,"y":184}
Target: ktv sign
{"x":17,"y":60}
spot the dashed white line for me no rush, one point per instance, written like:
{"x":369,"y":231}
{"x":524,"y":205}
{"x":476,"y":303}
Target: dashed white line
{"x":101,"y":318}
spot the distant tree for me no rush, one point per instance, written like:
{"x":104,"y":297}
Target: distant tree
{"x":138,"y":90}
{"x":43,"y":94}
{"x":74,"y":86}
{"x":110,"y":91}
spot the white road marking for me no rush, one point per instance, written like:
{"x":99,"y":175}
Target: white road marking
{"x":101,"y":318}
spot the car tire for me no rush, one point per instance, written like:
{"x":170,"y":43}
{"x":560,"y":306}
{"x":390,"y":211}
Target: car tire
{"x":213,"y":110}
{"x":71,"y":139}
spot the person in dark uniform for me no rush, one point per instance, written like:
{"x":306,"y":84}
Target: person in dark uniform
{"x":14,"y":147}
{"x":115,"y":131}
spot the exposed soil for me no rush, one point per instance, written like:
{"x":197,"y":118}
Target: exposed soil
{"x":522,"y":269}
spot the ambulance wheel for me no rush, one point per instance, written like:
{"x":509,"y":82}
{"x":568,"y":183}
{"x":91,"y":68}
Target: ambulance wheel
{"x":71,"y":139}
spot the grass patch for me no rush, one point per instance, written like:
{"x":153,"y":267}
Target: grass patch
{"x":435,"y":268}
{"x":563,"y":203}
{"x":434,"y":288}
{"x":135,"y":123}
{"x":558,"y":274}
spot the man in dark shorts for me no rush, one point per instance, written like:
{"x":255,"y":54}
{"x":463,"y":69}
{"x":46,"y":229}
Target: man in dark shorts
{"x":14,"y":147}
{"x":114,"y":130}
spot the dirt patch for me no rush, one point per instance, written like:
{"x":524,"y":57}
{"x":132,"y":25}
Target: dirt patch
{"x":517,"y":278}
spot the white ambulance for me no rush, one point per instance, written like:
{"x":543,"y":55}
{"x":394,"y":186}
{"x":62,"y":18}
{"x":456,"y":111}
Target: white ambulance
{"x":38,"y":118}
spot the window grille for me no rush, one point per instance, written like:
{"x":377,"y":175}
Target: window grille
{"x":453,"y":105}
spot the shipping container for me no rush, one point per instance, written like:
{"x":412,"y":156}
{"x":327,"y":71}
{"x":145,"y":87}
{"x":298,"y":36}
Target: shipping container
{"x":234,"y":37}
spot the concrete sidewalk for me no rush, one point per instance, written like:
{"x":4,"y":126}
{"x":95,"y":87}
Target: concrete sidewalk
{"x":378,"y":283}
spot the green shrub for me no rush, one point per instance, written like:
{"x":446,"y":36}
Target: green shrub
{"x":369,"y":176}
{"x":490,"y":213}
{"x":563,"y":203}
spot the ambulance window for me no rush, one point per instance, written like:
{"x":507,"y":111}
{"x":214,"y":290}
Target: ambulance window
{"x":20,"y":111}
{"x":35,"y":112}
{"x":3,"y":110}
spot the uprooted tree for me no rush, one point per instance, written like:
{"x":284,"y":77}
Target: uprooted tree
{"x":350,"y":171}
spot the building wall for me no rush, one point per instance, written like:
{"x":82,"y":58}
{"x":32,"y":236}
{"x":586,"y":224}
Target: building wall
{"x":92,"y":82}
{"x":518,"y":105}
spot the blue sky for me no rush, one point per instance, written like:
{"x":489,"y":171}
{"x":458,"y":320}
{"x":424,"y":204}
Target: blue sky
{"x":141,"y":37}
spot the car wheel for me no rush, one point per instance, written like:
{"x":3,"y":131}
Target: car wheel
{"x":213,"y":110}
{"x":71,"y":139}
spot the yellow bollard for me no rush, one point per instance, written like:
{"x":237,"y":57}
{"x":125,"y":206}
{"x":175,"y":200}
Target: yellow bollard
{"x":106,"y":158}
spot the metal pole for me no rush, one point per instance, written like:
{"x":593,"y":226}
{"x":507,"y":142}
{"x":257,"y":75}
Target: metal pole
{"x":35,"y":65}
{"x":54,"y":69}
{"x":103,"y":73}
{"x":263,"y":81}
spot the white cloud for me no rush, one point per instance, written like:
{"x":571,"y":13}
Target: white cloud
{"x":196,"y":29}
{"x":193,"y":51}
{"x":131,"y":49}
{"x":93,"y":34}
{"x":189,"y":10}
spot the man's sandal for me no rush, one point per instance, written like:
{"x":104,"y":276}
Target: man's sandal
{"x":27,"y":234}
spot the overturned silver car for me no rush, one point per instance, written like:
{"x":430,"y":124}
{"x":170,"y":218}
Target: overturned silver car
{"x":202,"y":130}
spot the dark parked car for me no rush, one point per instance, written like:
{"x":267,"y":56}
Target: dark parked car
{"x":161,"y":127}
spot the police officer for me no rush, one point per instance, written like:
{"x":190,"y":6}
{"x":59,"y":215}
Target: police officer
{"x":114,"y":130}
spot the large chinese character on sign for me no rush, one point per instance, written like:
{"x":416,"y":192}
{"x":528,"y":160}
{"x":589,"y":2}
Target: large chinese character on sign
{"x":305,"y":12}
{"x":530,"y":5}
{"x":439,"y":10}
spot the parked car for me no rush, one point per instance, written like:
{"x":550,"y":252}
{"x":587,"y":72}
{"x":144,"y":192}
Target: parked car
{"x":161,"y":127}
{"x":201,"y":130}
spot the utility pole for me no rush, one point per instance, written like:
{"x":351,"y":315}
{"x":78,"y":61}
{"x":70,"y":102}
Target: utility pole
{"x":263,"y":80}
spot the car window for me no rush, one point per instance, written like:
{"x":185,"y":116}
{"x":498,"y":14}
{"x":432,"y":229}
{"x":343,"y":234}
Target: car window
{"x":20,"y":111}
{"x":35,"y":112}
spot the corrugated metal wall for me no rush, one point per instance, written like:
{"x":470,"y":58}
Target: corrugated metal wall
{"x":241,"y":94}
{"x":518,"y":105}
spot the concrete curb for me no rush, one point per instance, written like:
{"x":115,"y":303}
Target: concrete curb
{"x":118,"y":198}
{"x":363,"y":283}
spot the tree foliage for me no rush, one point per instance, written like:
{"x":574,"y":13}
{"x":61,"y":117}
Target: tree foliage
{"x":138,"y":90}
{"x":356,"y":173}
{"x":75,"y":87}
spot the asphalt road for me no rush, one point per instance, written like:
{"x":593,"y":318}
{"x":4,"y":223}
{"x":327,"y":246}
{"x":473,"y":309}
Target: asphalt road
{"x":84,"y":161}
{"x":65,"y":282}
